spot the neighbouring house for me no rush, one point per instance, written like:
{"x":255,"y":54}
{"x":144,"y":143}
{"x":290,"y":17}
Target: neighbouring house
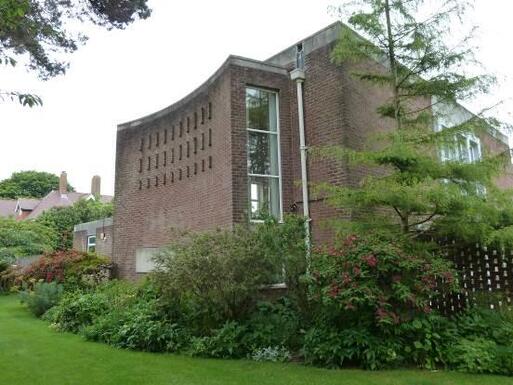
{"x":29,"y":208}
{"x":231,"y":149}
{"x":94,"y":237}
{"x":8,"y":208}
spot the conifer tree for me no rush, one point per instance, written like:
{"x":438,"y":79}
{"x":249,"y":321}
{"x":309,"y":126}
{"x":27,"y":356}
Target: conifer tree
{"x":430,"y":181}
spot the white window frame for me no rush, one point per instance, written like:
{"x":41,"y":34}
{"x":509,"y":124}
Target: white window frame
{"x":468,"y":139}
{"x":277,"y":133}
{"x":89,"y":244}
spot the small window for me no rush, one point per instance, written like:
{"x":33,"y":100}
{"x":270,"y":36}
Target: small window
{"x":180,"y":134}
{"x":158,"y":139}
{"x":202,"y":140}
{"x":141,"y":147}
{"x":165,"y":136}
{"x":209,"y":137}
{"x":173,"y":132}
{"x":209,"y":111}
{"x":91,"y":243}
{"x":188,"y":149}
{"x":140,"y":165}
{"x":188,"y":171}
{"x":140,"y":185}
{"x":180,"y":152}
{"x":195,"y":168}
{"x":156,"y":160}
{"x":195,"y":120}
{"x":156,"y":181}
{"x":188,"y":124}
{"x":203,"y":165}
{"x":148,"y":183}
{"x":172,"y":177}
{"x":202,"y":115}
{"x":164,"y":179}
{"x":210,"y":162}
{"x":195,"y":141}
{"x":165,"y":158}
{"x":179,"y":174}
{"x":149,"y":163}
{"x":149,"y":141}
{"x":172,"y":155}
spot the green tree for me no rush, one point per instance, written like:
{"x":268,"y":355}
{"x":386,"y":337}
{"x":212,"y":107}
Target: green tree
{"x":416,"y":191}
{"x":40,"y":30}
{"x":24,"y":238}
{"x":63,"y":219}
{"x":29,"y":184}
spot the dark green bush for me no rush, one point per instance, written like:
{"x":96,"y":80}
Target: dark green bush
{"x":218,"y":276}
{"x":43,"y":297}
{"x":274,"y":324}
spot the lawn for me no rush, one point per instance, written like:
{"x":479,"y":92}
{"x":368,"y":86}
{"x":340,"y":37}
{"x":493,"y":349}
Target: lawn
{"x":32,"y":354}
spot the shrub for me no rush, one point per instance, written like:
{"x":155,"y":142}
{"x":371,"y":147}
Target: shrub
{"x":477,"y":355}
{"x":274,"y":324}
{"x":79,"y":309}
{"x":217,"y":276}
{"x":72,"y":268}
{"x":375,"y":280}
{"x":42,"y":298}
{"x":226,"y":342}
{"x":331,"y":347}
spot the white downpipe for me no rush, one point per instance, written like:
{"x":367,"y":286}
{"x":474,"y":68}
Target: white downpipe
{"x":298,"y":76}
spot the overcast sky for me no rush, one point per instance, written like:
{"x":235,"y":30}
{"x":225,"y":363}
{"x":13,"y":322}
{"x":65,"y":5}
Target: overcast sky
{"x":122,"y":75}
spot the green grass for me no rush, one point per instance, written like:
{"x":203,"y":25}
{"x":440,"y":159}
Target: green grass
{"x":32,"y":354}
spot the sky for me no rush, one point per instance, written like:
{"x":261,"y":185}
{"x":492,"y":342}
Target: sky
{"x":119,"y":76}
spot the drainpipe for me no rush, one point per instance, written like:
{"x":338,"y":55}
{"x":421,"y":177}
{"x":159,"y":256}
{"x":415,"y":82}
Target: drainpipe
{"x":298,"y":75}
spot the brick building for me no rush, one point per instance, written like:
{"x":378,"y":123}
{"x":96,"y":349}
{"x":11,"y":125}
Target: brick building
{"x":232,"y":148}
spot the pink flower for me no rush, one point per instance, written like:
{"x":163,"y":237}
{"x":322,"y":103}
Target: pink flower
{"x":370,"y":260}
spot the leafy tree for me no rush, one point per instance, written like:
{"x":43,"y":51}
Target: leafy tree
{"x":414,"y":191}
{"x":39,"y":29}
{"x":29,"y":184}
{"x":24,"y":238}
{"x":63,"y":219}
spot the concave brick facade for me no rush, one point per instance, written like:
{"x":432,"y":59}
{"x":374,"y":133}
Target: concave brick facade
{"x":186,"y":166}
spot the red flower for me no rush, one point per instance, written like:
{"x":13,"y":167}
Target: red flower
{"x":334,"y":290}
{"x":370,"y":260}
{"x":357,"y":270}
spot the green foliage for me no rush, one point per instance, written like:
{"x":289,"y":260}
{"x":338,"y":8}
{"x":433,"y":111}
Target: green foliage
{"x":413,"y":191}
{"x":371,"y":280}
{"x":207,"y":273}
{"x":42,"y":298}
{"x":475,"y":356}
{"x":63,"y":219}
{"x":24,"y":238}
{"x":40,"y":30}
{"x":226,"y":342}
{"x":29,"y":184}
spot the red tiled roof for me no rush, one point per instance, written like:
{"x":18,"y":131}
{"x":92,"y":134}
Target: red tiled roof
{"x":56,"y":199}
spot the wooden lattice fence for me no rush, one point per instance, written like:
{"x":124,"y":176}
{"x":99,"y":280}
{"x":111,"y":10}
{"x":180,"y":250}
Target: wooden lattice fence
{"x":486,"y":277}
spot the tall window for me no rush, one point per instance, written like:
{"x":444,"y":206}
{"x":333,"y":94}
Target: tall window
{"x":264,"y":170}
{"x":91,"y":243}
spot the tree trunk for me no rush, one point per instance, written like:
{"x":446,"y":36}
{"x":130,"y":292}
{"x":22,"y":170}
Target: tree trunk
{"x":393,"y":65}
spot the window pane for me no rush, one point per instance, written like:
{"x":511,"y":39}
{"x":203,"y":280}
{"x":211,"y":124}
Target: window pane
{"x":264,"y":197}
{"x":261,"y":110}
{"x":474,"y":151}
{"x":262,"y":153}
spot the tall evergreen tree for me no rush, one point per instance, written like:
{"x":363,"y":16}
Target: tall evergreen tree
{"x":430,"y":180}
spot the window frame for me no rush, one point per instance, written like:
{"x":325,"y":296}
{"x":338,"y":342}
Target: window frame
{"x":277,"y":133}
{"x":90,"y":244}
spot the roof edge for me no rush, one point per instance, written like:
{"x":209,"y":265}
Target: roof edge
{"x":231,"y":60}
